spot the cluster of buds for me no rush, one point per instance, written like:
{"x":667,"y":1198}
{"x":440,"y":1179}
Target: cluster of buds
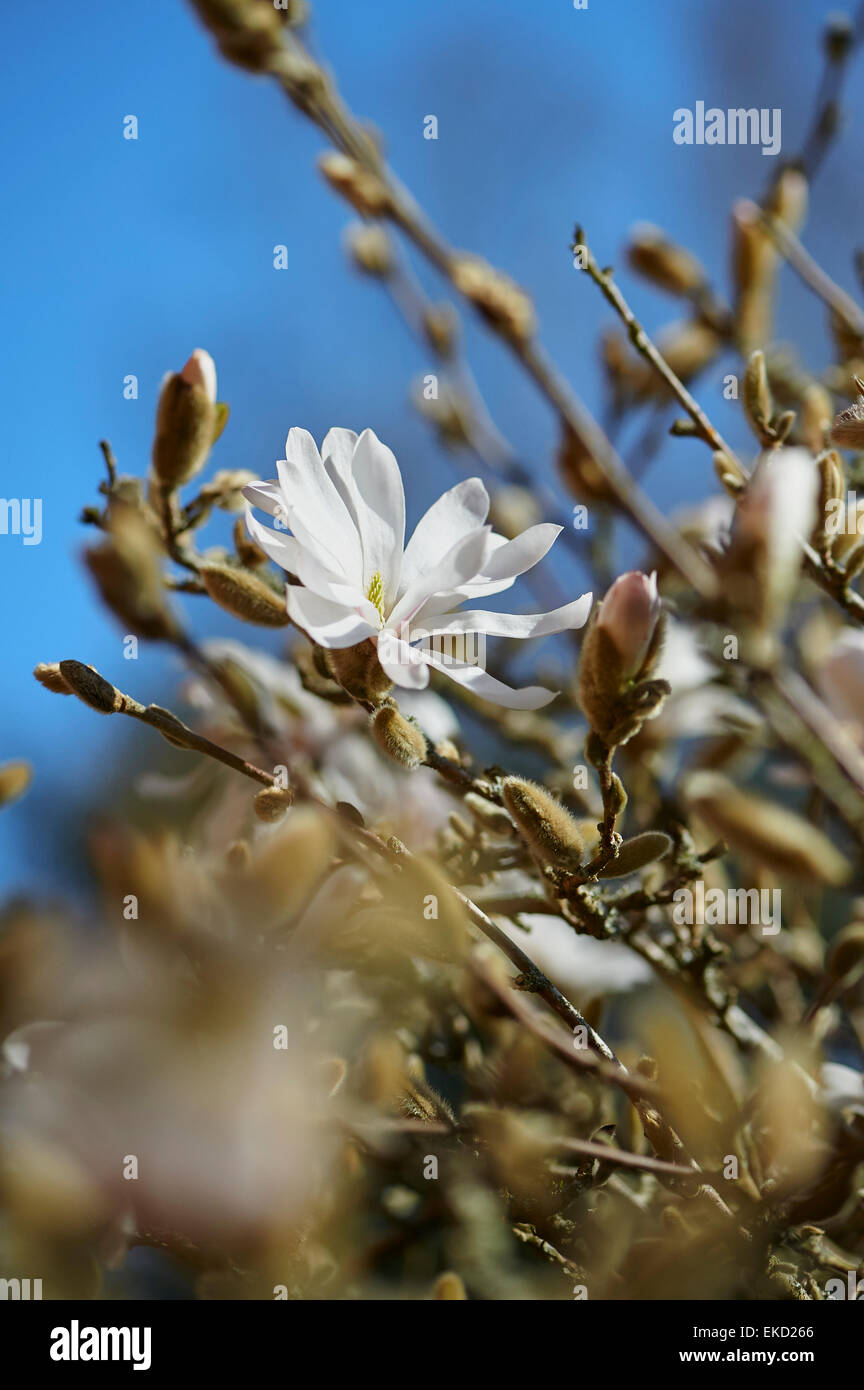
{"x":558,"y":842}
{"x":619,"y":654}
{"x":249,"y":32}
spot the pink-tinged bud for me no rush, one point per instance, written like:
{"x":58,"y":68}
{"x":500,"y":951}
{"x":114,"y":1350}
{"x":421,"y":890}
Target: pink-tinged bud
{"x":200,"y":370}
{"x":629,"y":615}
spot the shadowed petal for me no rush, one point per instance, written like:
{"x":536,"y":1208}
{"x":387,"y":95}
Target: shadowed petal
{"x":313,"y":505}
{"x":379,"y":506}
{"x":458,"y":512}
{"x":404,"y":665}
{"x":287,"y":552}
{"x":519,"y":625}
{"x":331,"y":625}
{"x":459,"y":564}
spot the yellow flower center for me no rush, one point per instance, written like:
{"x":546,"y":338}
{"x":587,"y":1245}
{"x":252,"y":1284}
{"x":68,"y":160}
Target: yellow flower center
{"x":375,"y":592}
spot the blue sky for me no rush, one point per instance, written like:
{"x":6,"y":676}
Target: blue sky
{"x":122,"y":256}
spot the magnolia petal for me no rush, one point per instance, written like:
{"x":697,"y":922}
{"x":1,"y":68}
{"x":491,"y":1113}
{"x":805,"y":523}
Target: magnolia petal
{"x":267,"y":496}
{"x":458,"y":512}
{"x":518,"y":625}
{"x":331,"y":625}
{"x":404,"y":665}
{"x":338,"y":449}
{"x":337,"y":452}
{"x":313,"y":504}
{"x":509,"y":559}
{"x":461,"y":562}
{"x":290,"y":555}
{"x":379,"y":500}
{"x":524,"y":551}
{"x":478,"y":681}
{"x":475,"y":588}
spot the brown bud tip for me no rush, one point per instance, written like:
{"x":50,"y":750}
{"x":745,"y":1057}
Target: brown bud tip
{"x":244,"y":595}
{"x":15,"y":778}
{"x":48,"y":674}
{"x":186,"y":419}
{"x":271,"y":803}
{"x":89,"y":686}
{"x":398,"y":737}
{"x":548,"y":827}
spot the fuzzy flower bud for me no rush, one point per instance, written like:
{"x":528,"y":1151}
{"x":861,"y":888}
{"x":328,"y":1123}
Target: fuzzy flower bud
{"x":661,"y":261}
{"x":629,"y":614}
{"x":186,"y":421}
{"x":619,"y":653}
{"x":243,"y":594}
{"x":758,"y":403}
{"x":358,"y":670}
{"x":90,"y":687}
{"x":271,"y":803}
{"x":548,"y":828}
{"x":398,"y":737}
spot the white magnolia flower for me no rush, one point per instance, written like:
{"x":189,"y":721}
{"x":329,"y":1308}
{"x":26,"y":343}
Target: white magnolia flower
{"x":345,"y":510}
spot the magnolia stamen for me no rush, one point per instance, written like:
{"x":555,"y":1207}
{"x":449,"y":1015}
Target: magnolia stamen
{"x":375,"y":593}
